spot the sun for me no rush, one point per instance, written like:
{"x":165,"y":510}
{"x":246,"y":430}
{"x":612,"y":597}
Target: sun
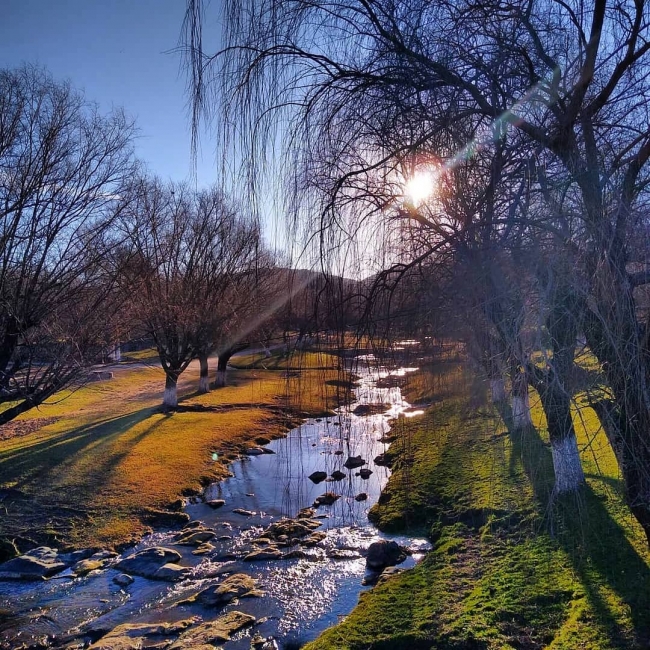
{"x":420,"y":186}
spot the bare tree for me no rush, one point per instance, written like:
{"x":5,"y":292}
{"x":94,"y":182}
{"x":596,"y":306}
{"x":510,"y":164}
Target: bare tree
{"x":237,"y":273}
{"x":63,"y":167}
{"x":190,"y":274}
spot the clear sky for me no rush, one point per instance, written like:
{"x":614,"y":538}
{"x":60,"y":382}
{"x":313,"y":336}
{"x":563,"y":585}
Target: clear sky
{"x":118,"y":52}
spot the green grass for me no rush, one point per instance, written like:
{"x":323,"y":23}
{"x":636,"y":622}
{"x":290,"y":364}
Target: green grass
{"x":508,"y":569}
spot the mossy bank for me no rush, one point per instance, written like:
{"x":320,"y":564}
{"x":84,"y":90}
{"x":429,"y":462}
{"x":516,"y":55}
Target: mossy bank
{"x":509,"y":568}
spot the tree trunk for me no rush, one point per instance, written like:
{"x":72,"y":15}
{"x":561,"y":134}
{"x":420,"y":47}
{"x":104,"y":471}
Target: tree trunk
{"x":498,"y":390}
{"x":222,"y":365}
{"x":204,"y":380}
{"x":520,"y":402}
{"x":633,"y":460}
{"x":556,"y":403}
{"x":612,"y":335}
{"x":9,"y":414}
{"x":170,"y":400}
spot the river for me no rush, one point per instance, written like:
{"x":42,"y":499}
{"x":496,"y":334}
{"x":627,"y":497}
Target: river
{"x":302,"y":596}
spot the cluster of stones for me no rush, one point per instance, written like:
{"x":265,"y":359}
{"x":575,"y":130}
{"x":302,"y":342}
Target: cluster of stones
{"x":192,"y":633}
{"x":280,"y":540}
{"x":272,"y":543}
{"x":44,"y":562}
{"x":352,"y":462}
{"x":155,"y":563}
{"x":196,"y":534}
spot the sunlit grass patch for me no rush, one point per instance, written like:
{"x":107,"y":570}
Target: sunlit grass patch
{"x":280,"y":359}
{"x":148,"y":354}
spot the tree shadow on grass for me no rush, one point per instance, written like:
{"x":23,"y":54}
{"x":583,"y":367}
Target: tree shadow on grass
{"x":43,"y":461}
{"x":54,"y":482}
{"x":596,"y":544}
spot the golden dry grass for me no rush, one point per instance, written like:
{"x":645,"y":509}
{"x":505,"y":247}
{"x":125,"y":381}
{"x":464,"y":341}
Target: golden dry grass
{"x":102,"y":457}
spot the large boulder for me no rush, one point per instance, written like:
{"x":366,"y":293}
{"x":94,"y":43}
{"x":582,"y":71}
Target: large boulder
{"x":204,"y":549}
{"x":171,"y":572}
{"x":195,"y":537}
{"x":270,"y":553}
{"x":239,"y":585}
{"x":133,"y":636}
{"x":291,"y":528}
{"x":37,"y":564}
{"x":354,"y":461}
{"x":84,"y":567}
{"x":213,"y":632}
{"x":147,"y":562}
{"x":384,"y":553}
{"x":317,"y":477}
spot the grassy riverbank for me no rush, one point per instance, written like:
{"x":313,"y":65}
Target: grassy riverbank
{"x":98,"y":465}
{"x":508,"y":569}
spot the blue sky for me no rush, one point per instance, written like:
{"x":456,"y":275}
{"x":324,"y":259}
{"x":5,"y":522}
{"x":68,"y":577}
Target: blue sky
{"x":117,"y":51}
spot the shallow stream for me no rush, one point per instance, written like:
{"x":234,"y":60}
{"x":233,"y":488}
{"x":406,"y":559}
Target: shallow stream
{"x":303,"y":596}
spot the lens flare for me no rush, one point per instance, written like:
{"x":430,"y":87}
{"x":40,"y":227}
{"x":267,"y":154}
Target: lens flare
{"x":420,"y":187}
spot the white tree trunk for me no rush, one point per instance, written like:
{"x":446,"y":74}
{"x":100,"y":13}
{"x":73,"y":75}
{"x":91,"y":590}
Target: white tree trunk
{"x":116,"y":353}
{"x":498,"y":390}
{"x":566,"y":463}
{"x":204,"y":378}
{"x":220,"y":381}
{"x":521,"y":412}
{"x":170,"y":399}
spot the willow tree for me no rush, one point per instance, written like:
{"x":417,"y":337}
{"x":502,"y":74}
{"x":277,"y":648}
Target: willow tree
{"x":63,"y":166}
{"x":569,"y":79}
